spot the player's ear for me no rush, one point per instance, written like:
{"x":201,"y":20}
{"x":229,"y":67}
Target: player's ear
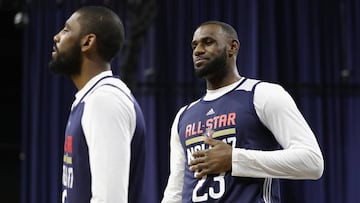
{"x":88,"y":41}
{"x":234,"y":47}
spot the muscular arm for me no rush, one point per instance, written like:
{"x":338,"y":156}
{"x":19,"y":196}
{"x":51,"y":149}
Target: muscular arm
{"x":173,"y":190}
{"x":300,"y":157}
{"x":109,"y":122}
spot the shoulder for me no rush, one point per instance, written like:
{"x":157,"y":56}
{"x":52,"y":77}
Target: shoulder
{"x":111,"y":88}
{"x":184,"y":108}
{"x":261,"y":87}
{"x":113,"y":85}
{"x":110,"y":95}
{"x":272,"y":95}
{"x":251,"y":84}
{"x":269,"y":88}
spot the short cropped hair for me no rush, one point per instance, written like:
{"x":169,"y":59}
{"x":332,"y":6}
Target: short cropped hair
{"x":228,"y":29}
{"x":106,"y":25}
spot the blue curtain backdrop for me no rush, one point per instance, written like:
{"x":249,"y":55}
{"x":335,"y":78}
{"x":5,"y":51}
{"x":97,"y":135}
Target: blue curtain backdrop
{"x":312,"y":47}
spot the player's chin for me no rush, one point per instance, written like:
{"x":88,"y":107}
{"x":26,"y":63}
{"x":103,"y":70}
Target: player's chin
{"x":199,"y":67}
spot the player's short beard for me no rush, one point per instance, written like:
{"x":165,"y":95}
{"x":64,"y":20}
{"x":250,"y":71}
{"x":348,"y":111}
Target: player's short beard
{"x":216,"y":68}
{"x":67,"y":64}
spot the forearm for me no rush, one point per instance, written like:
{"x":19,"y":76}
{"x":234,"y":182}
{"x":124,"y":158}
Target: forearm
{"x":173,"y":190}
{"x":298,"y":163}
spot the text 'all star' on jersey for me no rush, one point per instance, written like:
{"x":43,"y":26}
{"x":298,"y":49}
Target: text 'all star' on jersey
{"x":220,"y":127}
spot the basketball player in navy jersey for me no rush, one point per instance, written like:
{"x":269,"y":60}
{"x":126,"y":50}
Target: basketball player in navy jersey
{"x":238,"y":140}
{"x":104,"y":139}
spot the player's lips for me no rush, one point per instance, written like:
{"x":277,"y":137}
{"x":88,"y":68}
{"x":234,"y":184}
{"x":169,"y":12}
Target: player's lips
{"x":54,"y":51}
{"x":199,"y":61}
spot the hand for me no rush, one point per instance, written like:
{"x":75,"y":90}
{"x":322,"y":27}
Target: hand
{"x":215,"y":160}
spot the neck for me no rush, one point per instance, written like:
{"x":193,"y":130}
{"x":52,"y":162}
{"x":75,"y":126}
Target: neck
{"x":88,"y":73}
{"x":219,"y":82}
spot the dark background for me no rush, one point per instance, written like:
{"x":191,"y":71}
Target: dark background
{"x":312,"y":47}
{"x":11,"y":60}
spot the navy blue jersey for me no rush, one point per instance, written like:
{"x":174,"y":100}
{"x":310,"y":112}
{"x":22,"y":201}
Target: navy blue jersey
{"x":76,"y":167}
{"x":231,"y":118}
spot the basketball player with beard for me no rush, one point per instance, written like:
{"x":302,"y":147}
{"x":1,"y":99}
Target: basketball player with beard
{"x":236,"y":142}
{"x":104,"y":138}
